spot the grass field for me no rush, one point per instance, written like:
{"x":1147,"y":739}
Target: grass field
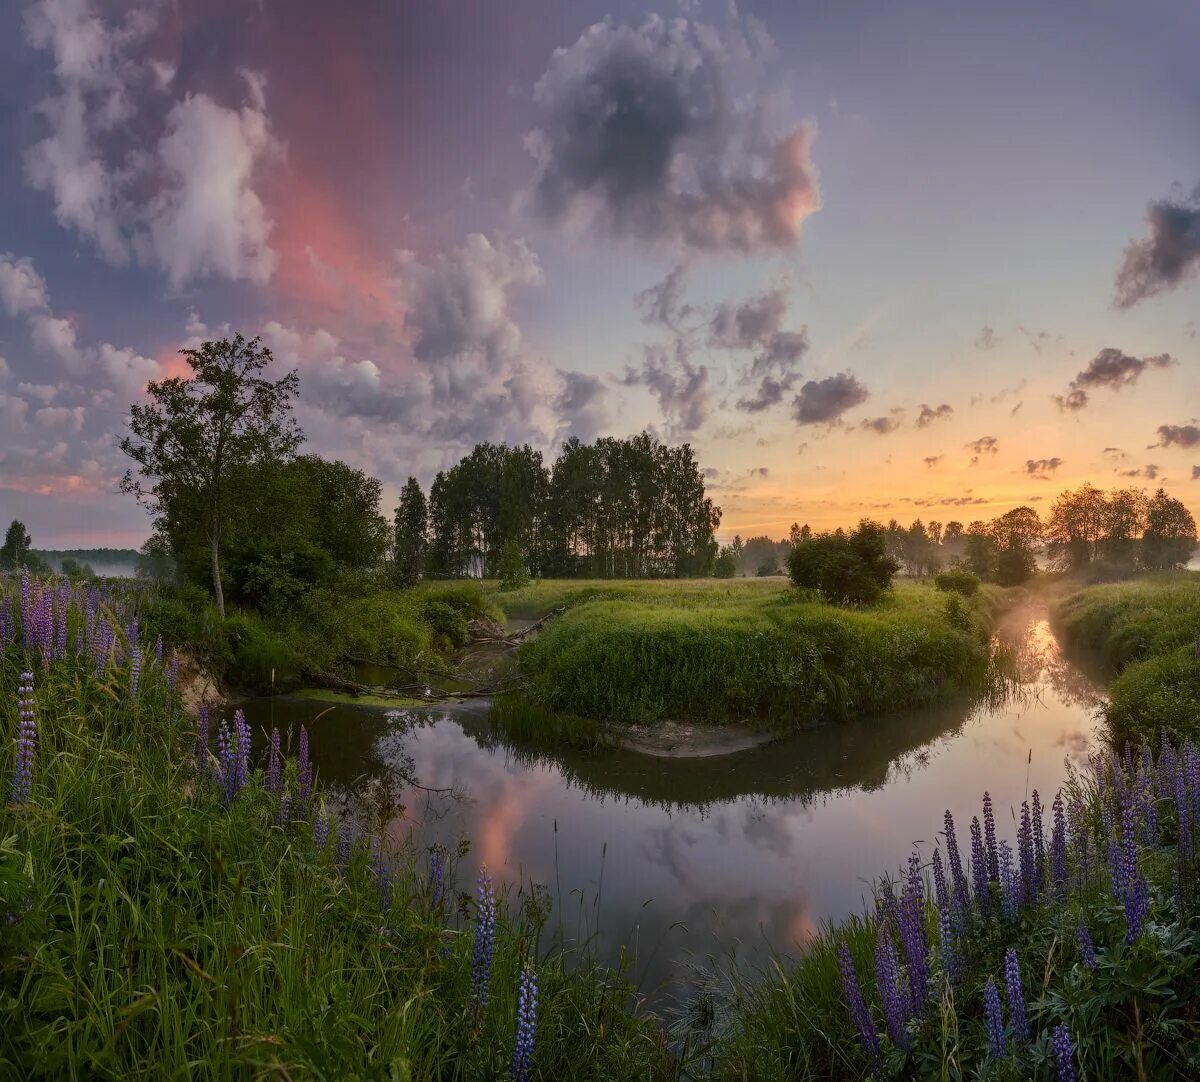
{"x":1148,"y":630}
{"x":721,"y":650}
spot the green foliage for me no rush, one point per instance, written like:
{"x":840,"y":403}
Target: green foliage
{"x":738,"y":651}
{"x":767,"y":568}
{"x":725,"y":565}
{"x":15,"y":552}
{"x":511,"y":571}
{"x":844,"y":568}
{"x":1149,"y":628}
{"x":411,"y":533}
{"x":149,"y":933}
{"x":957,"y":580}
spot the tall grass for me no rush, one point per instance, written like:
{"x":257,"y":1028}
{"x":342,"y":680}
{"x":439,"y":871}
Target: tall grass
{"x":753,"y":651}
{"x":1148,"y":630}
{"x":149,"y":931}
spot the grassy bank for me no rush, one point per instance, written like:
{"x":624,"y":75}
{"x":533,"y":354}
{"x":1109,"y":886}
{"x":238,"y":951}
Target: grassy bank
{"x":414,"y":629}
{"x":171,"y":910}
{"x":1087,"y":929}
{"x":721,"y":651}
{"x":1148,"y":630}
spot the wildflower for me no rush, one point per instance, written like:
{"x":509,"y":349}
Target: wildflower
{"x":1185,"y":818}
{"x":989,"y":834}
{"x":1137,"y":906}
{"x":993,"y":1015}
{"x":858,"y":1009}
{"x":1039,"y":847}
{"x":305,"y":773}
{"x":1058,"y":844}
{"x":1010,"y":883}
{"x":345,"y":840}
{"x":979,"y":870}
{"x":437,"y":871}
{"x":321,"y":830}
{"x":27,"y":735}
{"x":939,"y":879}
{"x":241,"y":735}
{"x":135,"y":670}
{"x":1016,"y":997}
{"x":914,"y":940}
{"x":485,"y":940}
{"x":1025,"y":855}
{"x":1087,"y":951}
{"x":892,"y":993}
{"x":1064,"y":1053}
{"x":284,"y":814}
{"x":957,"y":879}
{"x":948,"y":947}
{"x":273,"y":764}
{"x":173,"y":671}
{"x":158,"y":651}
{"x":527,"y":1004}
{"x":223,"y":769}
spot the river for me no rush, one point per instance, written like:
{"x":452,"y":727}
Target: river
{"x":695,"y":862}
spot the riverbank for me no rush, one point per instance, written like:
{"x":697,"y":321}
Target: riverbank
{"x":175,"y":906}
{"x":1148,"y":630}
{"x":746,"y":651}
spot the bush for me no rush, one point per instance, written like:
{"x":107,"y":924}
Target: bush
{"x":766,"y":569}
{"x":725,"y":566}
{"x":1160,"y":694}
{"x":512,"y":572}
{"x":957,"y":581}
{"x":844,"y":568}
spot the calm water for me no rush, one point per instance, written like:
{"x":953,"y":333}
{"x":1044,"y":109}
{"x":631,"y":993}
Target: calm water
{"x":689,"y":860}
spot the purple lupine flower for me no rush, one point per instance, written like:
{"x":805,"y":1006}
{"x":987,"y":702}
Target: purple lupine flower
{"x":241,"y":736}
{"x":158,"y":655}
{"x":1058,"y":844}
{"x":135,"y":670}
{"x":887,"y":907}
{"x":284,"y":814}
{"x":305,"y":772}
{"x":1137,"y":906}
{"x":958,"y":879}
{"x":1191,"y":774}
{"x":979,"y":870}
{"x":6,"y":621}
{"x":951,"y":956}
{"x":993,"y":1014}
{"x":437,"y":872}
{"x":1115,"y":883}
{"x":345,"y":841}
{"x":173,"y":671}
{"x":527,"y":1006}
{"x":485,"y":940}
{"x":1016,"y":997}
{"x":1025,"y":855}
{"x":227,"y":765}
{"x":893,"y":995}
{"x":80,"y":641}
{"x":274,"y":778}
{"x":321,"y":829}
{"x":939,"y":880}
{"x":854,"y":999}
{"x":1185,"y":818}
{"x":1087,"y":951}
{"x":1039,"y":846}
{"x":202,"y":739}
{"x":989,"y":835}
{"x":27,"y":736}
{"x":1064,"y":1053}
{"x":1010,"y":883}
{"x":914,"y":939}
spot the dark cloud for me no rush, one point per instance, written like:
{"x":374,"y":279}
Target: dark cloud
{"x":1111,"y":369}
{"x":1196,"y":473}
{"x":640,"y":136}
{"x":933,"y":460}
{"x":929,"y":414}
{"x":770,"y":392}
{"x":1042,"y":467}
{"x":1177,"y":436}
{"x":1016,"y":409}
{"x":985,"y":445}
{"x":1150,"y":472}
{"x":1114,"y":452}
{"x":986,"y":338}
{"x":680,"y":385}
{"x":1036,"y":339}
{"x":1171,"y":254}
{"x":824,"y":401}
{"x":883,"y":425}
{"x":663,"y":302}
{"x":580,"y":405}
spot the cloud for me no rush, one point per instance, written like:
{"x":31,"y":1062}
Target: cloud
{"x":1150,"y":472}
{"x":824,"y":401}
{"x":145,"y":177}
{"x":457,"y":302}
{"x":881,"y":426}
{"x":1169,"y":256}
{"x":933,"y":460}
{"x":929,"y":414}
{"x":680,"y":386}
{"x":1177,"y":436}
{"x":1111,"y":369}
{"x":1196,"y":473}
{"x":985,"y":445}
{"x":770,"y":392}
{"x":61,"y":418}
{"x":1114,"y":453}
{"x":581,"y":405}
{"x":986,"y":338}
{"x":640,"y":136}
{"x":1042,"y":467}
{"x":663,"y":302}
{"x":757,"y":324}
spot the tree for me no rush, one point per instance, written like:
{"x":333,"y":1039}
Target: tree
{"x":195,"y":433}
{"x":411,"y":535}
{"x":979,"y":549}
{"x":1170,"y":536}
{"x":512,"y":571}
{"x":1016,"y":535}
{"x":72,"y":569}
{"x":725,"y":565}
{"x":1124,"y":522}
{"x":767,"y":568}
{"x":1076,"y":524}
{"x":844,"y":568}
{"x":14,"y":554}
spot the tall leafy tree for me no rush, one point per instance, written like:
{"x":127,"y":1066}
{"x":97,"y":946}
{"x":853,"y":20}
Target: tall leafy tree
{"x":1076,"y":525}
{"x":194,"y":434}
{"x":411,"y":533}
{"x":15,"y":551}
{"x":1170,"y":536}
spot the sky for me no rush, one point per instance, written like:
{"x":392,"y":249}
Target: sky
{"x":870,"y":259}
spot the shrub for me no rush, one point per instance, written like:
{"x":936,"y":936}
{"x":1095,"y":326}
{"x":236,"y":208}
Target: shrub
{"x":767,"y":568}
{"x":844,"y":568}
{"x":512,"y":572}
{"x":958,"y":581}
{"x":725,"y":566}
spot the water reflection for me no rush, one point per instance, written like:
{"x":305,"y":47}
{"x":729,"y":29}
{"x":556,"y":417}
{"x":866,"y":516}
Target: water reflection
{"x":686,"y":860}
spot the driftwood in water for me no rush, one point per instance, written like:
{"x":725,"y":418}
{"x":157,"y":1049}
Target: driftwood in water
{"x":517,"y":637}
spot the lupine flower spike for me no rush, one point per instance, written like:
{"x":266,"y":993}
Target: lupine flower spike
{"x":854,"y":998}
{"x":1016,"y":997}
{"x":26,"y":741}
{"x":485,"y":939}
{"x":527,"y":1003}
{"x":993,"y":1015}
{"x":1064,"y":1054}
